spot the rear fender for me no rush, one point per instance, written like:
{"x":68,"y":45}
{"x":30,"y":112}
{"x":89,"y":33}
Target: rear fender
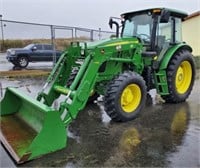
{"x":171,"y":51}
{"x":160,"y":75}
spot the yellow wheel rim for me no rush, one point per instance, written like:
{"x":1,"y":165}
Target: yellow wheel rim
{"x":183,"y":77}
{"x":130,"y":98}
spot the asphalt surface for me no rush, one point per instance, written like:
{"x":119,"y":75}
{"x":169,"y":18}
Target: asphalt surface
{"x":164,"y":135}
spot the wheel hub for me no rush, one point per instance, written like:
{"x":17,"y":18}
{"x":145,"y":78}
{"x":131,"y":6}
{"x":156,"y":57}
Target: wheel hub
{"x":183,"y":77}
{"x":180,"y":75}
{"x":131,"y":98}
{"x":127,"y":96}
{"x":22,"y":61}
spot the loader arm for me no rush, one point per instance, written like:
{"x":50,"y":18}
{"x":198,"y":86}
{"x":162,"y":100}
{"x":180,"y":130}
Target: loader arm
{"x":59,"y":75}
{"x":78,"y":92}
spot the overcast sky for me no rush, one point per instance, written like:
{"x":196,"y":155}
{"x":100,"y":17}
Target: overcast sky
{"x":83,"y":13}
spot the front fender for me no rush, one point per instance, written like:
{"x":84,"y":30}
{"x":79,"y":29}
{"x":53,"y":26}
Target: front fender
{"x":171,"y":51}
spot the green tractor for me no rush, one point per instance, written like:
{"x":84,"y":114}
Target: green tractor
{"x":146,"y":53}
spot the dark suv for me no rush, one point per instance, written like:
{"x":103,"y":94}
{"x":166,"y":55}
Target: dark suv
{"x":31,"y":53}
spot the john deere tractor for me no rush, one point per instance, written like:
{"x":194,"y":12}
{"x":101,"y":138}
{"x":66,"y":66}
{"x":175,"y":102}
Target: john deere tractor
{"x":145,"y":53}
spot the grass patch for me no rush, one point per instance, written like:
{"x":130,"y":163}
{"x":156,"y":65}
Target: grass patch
{"x":24,"y":73}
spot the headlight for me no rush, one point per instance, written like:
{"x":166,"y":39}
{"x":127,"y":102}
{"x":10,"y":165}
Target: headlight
{"x":12,"y":52}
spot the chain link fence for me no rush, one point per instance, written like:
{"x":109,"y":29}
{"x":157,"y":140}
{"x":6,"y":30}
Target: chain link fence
{"x":15,"y":34}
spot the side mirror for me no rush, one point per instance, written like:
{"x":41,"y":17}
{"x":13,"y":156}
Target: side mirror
{"x":164,"y":18}
{"x":111,"y":23}
{"x":34,"y":48}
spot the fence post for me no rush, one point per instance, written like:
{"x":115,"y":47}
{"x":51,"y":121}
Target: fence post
{"x":92,"y":35}
{"x":72,"y":34}
{"x":75,"y":33}
{"x":53,"y":44}
{"x":99,"y":34}
{"x":1,"y":90}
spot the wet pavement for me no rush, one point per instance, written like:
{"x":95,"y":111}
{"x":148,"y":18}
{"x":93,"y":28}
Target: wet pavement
{"x":164,"y":135}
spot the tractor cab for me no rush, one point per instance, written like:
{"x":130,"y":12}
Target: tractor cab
{"x":155,"y":28}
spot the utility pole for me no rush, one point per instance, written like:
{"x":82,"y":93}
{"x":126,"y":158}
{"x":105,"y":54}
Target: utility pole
{"x":2,"y":34}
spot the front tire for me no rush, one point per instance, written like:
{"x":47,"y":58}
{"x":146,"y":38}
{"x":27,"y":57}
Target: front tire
{"x":180,"y":77}
{"x":93,"y":95}
{"x":22,"y":61}
{"x":125,"y":96}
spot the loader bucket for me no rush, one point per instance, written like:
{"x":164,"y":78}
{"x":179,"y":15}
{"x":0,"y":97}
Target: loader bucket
{"x":29,"y":128}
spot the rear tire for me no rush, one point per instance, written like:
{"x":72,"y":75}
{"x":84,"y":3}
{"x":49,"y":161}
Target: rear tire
{"x":180,"y":77}
{"x":125,"y":96}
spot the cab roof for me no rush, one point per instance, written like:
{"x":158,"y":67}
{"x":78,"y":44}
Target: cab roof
{"x":158,"y":11}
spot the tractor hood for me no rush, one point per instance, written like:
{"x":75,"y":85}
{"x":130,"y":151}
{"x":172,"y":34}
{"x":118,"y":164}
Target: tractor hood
{"x":112,"y":42}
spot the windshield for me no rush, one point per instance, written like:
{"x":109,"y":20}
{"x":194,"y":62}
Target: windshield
{"x":139,"y":26}
{"x":28,"y":47}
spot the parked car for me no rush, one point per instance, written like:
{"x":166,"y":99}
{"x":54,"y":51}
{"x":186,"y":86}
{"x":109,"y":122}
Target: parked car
{"x":21,"y":57}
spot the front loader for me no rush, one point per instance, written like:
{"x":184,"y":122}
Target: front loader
{"x":147,"y":54}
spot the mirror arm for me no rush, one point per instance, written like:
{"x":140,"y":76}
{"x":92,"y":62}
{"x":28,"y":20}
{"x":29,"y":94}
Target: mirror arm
{"x":111,"y":22}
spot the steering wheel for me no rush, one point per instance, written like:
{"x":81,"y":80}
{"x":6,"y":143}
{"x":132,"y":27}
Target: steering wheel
{"x":144,"y":37}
